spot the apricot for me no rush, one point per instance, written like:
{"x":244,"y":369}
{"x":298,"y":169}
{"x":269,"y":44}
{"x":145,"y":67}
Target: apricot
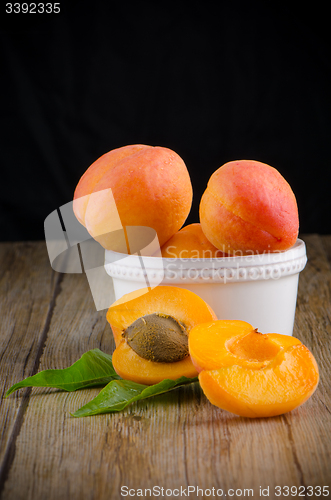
{"x":150,"y":185}
{"x":248,"y":207}
{"x":190,"y":243}
{"x":249,"y":373}
{"x":151,"y":330}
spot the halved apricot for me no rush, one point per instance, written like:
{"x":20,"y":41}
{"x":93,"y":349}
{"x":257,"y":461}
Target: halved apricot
{"x":249,"y":373}
{"x":137,"y":315}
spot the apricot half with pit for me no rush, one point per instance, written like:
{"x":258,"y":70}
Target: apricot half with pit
{"x":151,"y":328}
{"x":249,"y":373}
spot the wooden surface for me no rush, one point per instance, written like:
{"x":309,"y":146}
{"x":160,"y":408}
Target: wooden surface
{"x":176,"y":440}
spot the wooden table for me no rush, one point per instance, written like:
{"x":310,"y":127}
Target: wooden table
{"x":173,"y":441}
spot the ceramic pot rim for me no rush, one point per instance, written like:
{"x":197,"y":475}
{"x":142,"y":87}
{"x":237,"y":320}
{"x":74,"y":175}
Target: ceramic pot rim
{"x":255,"y":267}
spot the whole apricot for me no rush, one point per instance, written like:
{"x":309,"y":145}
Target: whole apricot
{"x":150,"y":187}
{"x":249,"y":373}
{"x":190,"y":242}
{"x":248,"y":207}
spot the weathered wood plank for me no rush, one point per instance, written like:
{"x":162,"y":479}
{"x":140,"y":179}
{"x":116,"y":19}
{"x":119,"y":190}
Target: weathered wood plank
{"x":175,"y":440}
{"x":311,"y":430}
{"x":28,"y":289}
{"x":43,"y":445}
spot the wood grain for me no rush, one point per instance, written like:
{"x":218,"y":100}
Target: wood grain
{"x":28,"y":289}
{"x":174,"y":440}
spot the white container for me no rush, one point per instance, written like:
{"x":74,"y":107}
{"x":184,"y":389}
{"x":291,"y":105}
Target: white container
{"x":260,"y":289}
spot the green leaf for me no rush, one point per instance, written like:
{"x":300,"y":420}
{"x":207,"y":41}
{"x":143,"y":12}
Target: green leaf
{"x":120,"y":393}
{"x":92,"y":369}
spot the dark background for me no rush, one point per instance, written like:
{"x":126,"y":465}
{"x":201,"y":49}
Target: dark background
{"x":215,"y":82}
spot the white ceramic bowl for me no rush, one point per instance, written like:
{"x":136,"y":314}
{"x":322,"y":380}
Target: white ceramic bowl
{"x":260,"y":289}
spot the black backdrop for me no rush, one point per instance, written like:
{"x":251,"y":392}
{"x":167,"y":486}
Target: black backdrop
{"x":214,"y":81}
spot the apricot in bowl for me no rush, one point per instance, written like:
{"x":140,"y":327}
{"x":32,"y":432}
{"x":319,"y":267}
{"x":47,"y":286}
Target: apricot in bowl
{"x":151,"y":329}
{"x":190,"y":242}
{"x":248,"y":207}
{"x":150,"y":187}
{"x":249,"y":373}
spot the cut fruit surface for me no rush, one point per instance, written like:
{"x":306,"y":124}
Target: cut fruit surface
{"x":184,"y":307}
{"x":249,"y":373}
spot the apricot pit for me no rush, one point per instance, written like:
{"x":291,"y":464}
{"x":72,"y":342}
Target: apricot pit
{"x":158,"y":337}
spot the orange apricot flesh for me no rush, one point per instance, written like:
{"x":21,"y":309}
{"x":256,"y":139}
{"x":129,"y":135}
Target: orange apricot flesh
{"x":249,"y":373}
{"x":248,"y":207}
{"x":183,"y":305}
{"x":190,"y":242}
{"x":131,"y":366}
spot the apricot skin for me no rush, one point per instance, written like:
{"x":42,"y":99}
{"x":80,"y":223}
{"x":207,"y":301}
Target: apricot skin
{"x":151,"y":187}
{"x":183,"y":305}
{"x":95,"y":173}
{"x":248,"y":207}
{"x":190,"y":243}
{"x":252,"y":374}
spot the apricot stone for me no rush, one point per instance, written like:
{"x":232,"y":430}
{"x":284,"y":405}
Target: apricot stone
{"x":150,"y":185}
{"x":248,"y":207}
{"x":190,"y":243}
{"x":183,"y":306}
{"x":249,"y":373}
{"x":158,"y":337}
